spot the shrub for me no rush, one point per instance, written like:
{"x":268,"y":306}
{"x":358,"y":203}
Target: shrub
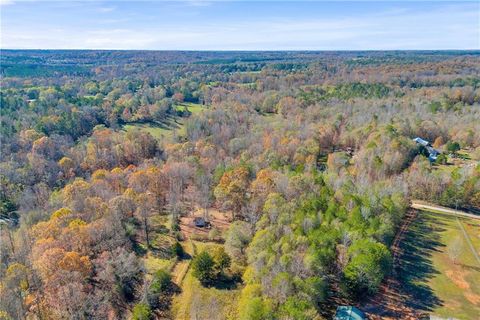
{"x":203,"y":267}
{"x":175,"y":226}
{"x":160,"y":285}
{"x":177,"y":250}
{"x":441,"y":159}
{"x":222,"y":260}
{"x":453,"y":147}
{"x":142,"y":311}
{"x":161,"y":281}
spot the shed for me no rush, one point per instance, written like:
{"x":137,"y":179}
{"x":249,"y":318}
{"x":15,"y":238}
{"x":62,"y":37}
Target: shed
{"x":199,"y":222}
{"x":349,"y":313}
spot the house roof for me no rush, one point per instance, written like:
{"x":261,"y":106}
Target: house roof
{"x":349,"y":313}
{"x":421,"y":141}
{"x":199,"y":221}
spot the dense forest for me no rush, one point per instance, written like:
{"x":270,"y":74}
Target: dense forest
{"x":308,"y":156}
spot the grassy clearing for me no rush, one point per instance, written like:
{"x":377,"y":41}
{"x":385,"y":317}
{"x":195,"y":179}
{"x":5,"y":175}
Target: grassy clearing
{"x":273,"y":120}
{"x":153,"y":264}
{"x":248,"y":85}
{"x":157,"y":131}
{"x":198,"y":302}
{"x":435,"y":283}
{"x":464,"y":158}
{"x":194,"y":108}
{"x":156,"y":256}
{"x":166,"y":129}
{"x":249,"y":72}
{"x":159,"y":220}
{"x":473,"y":230}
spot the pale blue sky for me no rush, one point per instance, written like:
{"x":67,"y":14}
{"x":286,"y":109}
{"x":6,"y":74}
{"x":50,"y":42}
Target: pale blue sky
{"x":240,"y":25}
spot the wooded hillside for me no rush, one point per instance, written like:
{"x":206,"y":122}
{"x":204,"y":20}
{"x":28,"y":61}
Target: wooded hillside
{"x":308,"y":157}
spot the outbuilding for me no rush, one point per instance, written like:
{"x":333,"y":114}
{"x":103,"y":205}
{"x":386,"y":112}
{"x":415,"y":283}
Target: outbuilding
{"x":199,"y":222}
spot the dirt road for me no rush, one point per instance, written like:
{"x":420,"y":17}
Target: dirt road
{"x":422,"y":205}
{"x":390,"y":302}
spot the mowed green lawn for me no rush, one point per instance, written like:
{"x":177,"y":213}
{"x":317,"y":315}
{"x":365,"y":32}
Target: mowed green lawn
{"x":439,"y":272}
{"x":165,"y":130}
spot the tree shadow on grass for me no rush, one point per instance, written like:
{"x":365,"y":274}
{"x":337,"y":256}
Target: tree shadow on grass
{"x":226,"y":282}
{"x":416,"y":267}
{"x":139,"y":248}
{"x":168,"y":123}
{"x":171,"y":122}
{"x":162,"y":303}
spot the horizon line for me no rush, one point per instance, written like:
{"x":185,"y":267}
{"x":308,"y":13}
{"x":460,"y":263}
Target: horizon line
{"x":232,"y":50}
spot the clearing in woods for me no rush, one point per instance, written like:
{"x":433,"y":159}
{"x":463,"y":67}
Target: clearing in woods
{"x":198,"y":302}
{"x":437,"y":271}
{"x":172,"y":125}
{"x":195,"y":301}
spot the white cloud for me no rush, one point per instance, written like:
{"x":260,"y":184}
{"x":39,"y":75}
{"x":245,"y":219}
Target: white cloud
{"x":6,"y":2}
{"x":447,"y":27}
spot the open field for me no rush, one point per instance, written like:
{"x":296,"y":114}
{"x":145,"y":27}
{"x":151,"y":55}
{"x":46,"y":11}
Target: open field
{"x":439,"y":273}
{"x":464,"y":158}
{"x":153,"y":264}
{"x":166,"y":129}
{"x":159,"y":131}
{"x":198,"y":302}
{"x":192,"y":107}
{"x":156,"y":257}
